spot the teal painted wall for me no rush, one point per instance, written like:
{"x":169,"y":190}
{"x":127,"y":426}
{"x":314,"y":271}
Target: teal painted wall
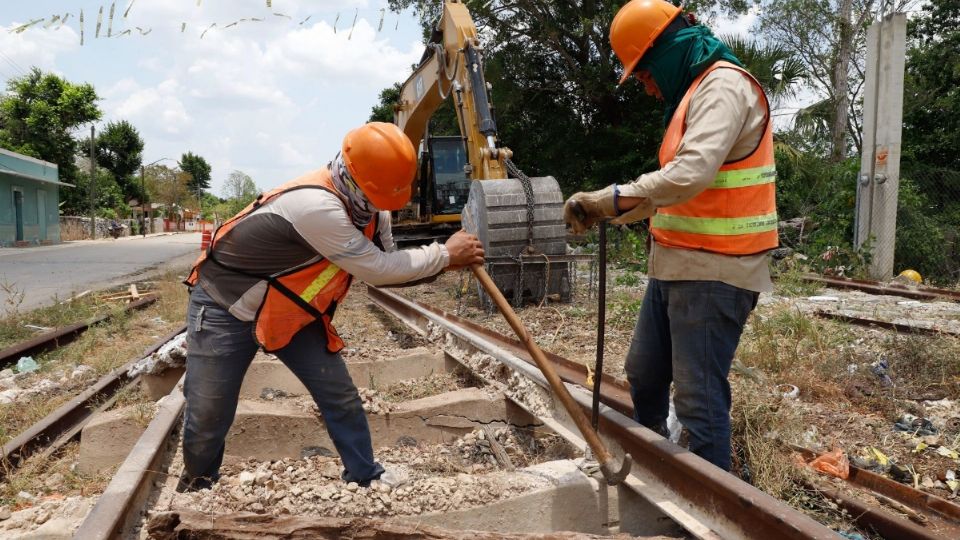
{"x":31,"y":218}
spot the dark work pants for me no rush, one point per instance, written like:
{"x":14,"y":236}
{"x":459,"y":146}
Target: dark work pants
{"x":220,"y":348}
{"x":687,"y":333}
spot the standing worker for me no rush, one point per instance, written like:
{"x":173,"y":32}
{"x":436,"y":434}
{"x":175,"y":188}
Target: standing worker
{"x":713,"y":219}
{"x":273,"y":276}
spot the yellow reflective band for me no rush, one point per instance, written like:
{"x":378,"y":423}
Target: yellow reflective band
{"x":716,"y":226}
{"x":745,"y":177}
{"x":320,"y":282}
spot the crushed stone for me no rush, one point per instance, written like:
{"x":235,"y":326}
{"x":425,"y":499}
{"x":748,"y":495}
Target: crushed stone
{"x":50,"y":518}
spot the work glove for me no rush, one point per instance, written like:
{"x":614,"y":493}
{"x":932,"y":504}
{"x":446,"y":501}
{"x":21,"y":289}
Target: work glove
{"x":583,"y":210}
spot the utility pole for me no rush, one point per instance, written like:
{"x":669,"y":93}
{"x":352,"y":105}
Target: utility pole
{"x":93,"y":186}
{"x":879,"y":180}
{"x":143,"y":203}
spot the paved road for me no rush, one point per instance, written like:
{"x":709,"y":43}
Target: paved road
{"x":45,"y":273}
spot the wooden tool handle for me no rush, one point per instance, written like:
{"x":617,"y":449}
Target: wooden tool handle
{"x":579,"y":418}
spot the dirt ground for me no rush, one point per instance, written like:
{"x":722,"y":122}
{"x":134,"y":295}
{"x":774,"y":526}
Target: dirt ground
{"x":797,"y":379}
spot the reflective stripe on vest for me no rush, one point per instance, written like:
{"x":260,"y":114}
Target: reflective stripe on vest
{"x":319,"y":283}
{"x":754,"y":176}
{"x":737,"y":213}
{"x":717,"y":226}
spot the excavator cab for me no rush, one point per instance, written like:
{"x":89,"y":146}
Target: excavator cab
{"x":447,"y":179}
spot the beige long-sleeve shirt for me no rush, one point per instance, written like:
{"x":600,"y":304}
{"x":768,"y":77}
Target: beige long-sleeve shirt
{"x":725,"y":121}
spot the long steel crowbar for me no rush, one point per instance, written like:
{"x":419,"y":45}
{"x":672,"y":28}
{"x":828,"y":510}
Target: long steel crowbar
{"x":612,"y":472}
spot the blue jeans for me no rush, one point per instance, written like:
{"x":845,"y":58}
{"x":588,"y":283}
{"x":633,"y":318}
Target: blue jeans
{"x":220,"y":348}
{"x":687,"y":333}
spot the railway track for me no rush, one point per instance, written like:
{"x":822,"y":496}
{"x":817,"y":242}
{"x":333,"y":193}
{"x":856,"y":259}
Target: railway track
{"x":62,"y":336}
{"x":667,"y":482}
{"x":50,"y":434}
{"x":876,"y":287}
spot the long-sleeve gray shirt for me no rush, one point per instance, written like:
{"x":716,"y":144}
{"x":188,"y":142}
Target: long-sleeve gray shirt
{"x":301,"y":226}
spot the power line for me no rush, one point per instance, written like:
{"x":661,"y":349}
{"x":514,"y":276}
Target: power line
{"x":13,"y":63}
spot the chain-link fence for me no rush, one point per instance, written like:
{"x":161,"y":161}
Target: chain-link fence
{"x":928,"y":222}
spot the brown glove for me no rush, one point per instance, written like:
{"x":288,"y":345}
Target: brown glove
{"x":583,"y":210}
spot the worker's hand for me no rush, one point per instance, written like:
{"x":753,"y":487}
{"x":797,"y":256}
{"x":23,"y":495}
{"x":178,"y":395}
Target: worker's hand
{"x":584,"y":209}
{"x":465,"y":249}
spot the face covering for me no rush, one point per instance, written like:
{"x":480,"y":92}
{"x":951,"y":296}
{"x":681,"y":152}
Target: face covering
{"x":360,"y":209}
{"x":676,"y":59}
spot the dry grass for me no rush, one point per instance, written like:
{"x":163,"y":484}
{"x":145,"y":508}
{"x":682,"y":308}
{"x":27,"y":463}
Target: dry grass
{"x":104,"y":348}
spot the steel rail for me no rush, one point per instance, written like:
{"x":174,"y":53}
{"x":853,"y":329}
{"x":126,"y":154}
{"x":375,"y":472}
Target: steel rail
{"x":117,"y":510}
{"x":61,"y":336}
{"x":65,"y":423}
{"x":886,"y":325}
{"x":875,"y":287}
{"x":704,"y":499}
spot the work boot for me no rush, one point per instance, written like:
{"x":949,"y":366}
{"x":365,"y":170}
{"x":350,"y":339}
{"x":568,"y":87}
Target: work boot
{"x":393,"y":477}
{"x":189,"y":485}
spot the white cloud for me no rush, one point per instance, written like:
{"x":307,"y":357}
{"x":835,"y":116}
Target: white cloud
{"x":36,"y":46}
{"x":270,"y":98}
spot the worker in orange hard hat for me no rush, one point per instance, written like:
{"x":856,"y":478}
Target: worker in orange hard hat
{"x":273,"y":276}
{"x":713,"y":218}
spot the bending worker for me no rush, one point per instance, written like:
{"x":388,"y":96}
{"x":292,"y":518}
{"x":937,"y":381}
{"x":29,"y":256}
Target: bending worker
{"x":273,"y":277}
{"x":713,"y":218}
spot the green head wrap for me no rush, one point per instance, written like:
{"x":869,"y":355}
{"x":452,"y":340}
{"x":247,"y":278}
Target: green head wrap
{"x":676,"y":59}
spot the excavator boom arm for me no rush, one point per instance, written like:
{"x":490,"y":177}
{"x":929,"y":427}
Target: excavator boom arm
{"x":453,"y":66}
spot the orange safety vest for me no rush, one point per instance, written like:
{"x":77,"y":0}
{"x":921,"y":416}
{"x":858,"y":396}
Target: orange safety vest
{"x":297,"y":296}
{"x":737,"y":214}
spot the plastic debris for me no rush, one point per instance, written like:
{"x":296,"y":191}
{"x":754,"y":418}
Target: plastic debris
{"x":27,"y":364}
{"x":851,"y":535}
{"x":834,"y":463}
{"x":880,"y":368}
{"x":823,"y":299}
{"x":788,"y":391}
{"x":918,"y":426}
{"x":948,"y":453}
{"x":172,"y":354}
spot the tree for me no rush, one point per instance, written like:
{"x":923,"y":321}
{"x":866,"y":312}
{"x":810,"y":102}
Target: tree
{"x":829,"y":37}
{"x":119,"y":149}
{"x":167,"y":186}
{"x":38,"y":115}
{"x":778,"y":71}
{"x":554,"y":78}
{"x":240,"y":190}
{"x":199,"y":171}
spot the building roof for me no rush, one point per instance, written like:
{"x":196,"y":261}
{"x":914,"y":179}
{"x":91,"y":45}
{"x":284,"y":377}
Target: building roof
{"x":21,"y":166}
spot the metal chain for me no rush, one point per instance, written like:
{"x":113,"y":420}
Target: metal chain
{"x":528,"y":193}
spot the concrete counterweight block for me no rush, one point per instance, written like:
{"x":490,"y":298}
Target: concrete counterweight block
{"x":497,"y":213}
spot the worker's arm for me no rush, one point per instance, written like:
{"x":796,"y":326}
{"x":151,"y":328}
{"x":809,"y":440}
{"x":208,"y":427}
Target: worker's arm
{"x":715,"y":121}
{"x":324,"y":224}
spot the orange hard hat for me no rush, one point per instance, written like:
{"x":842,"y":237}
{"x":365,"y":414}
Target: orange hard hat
{"x":382,"y":162}
{"x":635,"y":27}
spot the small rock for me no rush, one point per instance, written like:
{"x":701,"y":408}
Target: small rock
{"x":41,"y":518}
{"x":6,"y":373}
{"x":247,"y":478}
{"x":81,"y":371}
{"x":4,"y":513}
{"x":23,"y":495}
{"x":54,"y":481}
{"x":352,"y":486}
{"x":346,"y":498}
{"x":927,"y":482}
{"x":261,"y":477}
{"x":256,"y":507}
{"x":296,"y":491}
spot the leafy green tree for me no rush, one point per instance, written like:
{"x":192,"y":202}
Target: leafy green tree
{"x":38,"y":115}
{"x":119,"y":149}
{"x":199,"y":171}
{"x":779,"y":72}
{"x":239,"y":190}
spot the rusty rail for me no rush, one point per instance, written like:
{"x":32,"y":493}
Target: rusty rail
{"x":731,"y":507}
{"x":875,"y":287}
{"x":886,"y":325}
{"x":61,"y":336}
{"x":65,"y":423}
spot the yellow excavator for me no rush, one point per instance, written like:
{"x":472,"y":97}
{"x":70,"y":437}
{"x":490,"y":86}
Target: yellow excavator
{"x":470,"y":180}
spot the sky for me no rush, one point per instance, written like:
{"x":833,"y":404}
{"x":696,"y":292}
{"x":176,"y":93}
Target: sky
{"x":271,"y":98}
